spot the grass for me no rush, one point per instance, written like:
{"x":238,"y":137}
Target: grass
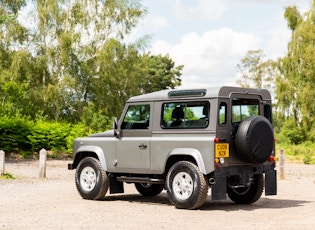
{"x":7,"y":176}
{"x":302,"y":153}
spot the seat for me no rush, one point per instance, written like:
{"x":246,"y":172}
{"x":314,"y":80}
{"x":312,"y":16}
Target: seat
{"x":177,"y":116}
{"x":205,"y":119}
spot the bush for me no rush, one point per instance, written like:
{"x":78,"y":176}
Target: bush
{"x":14,"y":134}
{"x":77,"y":130}
{"x":291,"y":133}
{"x":307,"y":159}
{"x":23,"y":136}
{"x":49,"y":135}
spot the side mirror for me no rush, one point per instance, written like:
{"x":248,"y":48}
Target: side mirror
{"x":115,"y":127}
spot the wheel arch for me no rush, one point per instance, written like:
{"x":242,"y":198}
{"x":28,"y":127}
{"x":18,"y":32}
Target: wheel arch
{"x":89,"y":151}
{"x":185,"y":154}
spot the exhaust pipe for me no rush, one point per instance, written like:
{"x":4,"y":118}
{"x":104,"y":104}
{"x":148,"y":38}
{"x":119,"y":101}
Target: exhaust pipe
{"x":212,"y":181}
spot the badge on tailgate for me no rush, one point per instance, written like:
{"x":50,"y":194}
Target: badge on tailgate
{"x":222,"y":150}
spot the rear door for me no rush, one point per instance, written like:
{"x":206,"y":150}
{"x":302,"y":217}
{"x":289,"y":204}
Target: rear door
{"x":241,"y":107}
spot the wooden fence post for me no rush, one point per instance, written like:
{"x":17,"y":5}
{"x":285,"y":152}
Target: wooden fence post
{"x":282,"y":159}
{"x":42,"y":163}
{"x":2,"y":160}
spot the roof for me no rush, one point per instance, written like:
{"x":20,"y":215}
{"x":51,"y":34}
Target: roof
{"x":202,"y":93}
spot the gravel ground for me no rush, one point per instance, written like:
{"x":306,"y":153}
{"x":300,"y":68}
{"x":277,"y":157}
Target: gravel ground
{"x":29,"y":202}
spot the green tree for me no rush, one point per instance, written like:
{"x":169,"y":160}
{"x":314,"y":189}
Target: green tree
{"x":160,"y":72}
{"x":72,"y":59}
{"x":296,"y":86}
{"x":62,"y":48}
{"x":293,"y":17}
{"x":255,"y":72}
{"x":12,"y":33}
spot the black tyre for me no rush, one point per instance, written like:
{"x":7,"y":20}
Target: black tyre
{"x":248,"y":195}
{"x":148,"y":189}
{"x":187,"y":187}
{"x":90,"y":179}
{"x":254,"y":140}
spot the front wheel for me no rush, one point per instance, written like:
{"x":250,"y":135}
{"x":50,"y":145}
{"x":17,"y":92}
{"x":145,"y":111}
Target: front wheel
{"x":90,"y":179}
{"x":187,"y":187}
{"x":248,"y":195}
{"x":148,"y":189}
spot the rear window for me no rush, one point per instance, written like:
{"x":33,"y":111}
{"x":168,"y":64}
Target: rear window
{"x":243,"y":108}
{"x":185,"y":115}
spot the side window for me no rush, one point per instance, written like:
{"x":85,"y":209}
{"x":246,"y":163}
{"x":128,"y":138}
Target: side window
{"x":137,"y":117}
{"x":243,"y":108}
{"x":185,"y":115}
{"x":222,"y":113}
{"x":267,"y":112}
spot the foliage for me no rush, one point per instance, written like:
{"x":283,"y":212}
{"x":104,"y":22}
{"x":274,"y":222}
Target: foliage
{"x":255,"y":72}
{"x":66,"y":70}
{"x":14,"y":133}
{"x":291,"y":82}
{"x":292,"y":133}
{"x":95,"y":119}
{"x":7,"y":176}
{"x":49,"y":135}
{"x":293,"y":17}
{"x":296,"y":86}
{"x":71,"y":54}
{"x":159,"y":73}
{"x":301,"y":153}
{"x":24,"y":136}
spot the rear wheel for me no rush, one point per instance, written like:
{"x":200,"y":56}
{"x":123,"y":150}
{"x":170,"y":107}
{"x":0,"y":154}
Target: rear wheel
{"x":187,"y":187}
{"x":90,"y":179}
{"x":248,"y":195}
{"x":148,"y":189}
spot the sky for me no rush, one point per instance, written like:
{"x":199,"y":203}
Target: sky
{"x":210,"y":37}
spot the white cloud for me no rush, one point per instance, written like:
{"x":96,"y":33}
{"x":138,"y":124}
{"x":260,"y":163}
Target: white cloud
{"x":210,"y":55}
{"x":209,"y":59}
{"x":155,"y":23}
{"x":202,"y":9}
{"x":302,"y":5}
{"x":151,"y":25}
{"x":277,"y":42}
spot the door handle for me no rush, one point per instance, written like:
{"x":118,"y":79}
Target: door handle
{"x":142,"y":146}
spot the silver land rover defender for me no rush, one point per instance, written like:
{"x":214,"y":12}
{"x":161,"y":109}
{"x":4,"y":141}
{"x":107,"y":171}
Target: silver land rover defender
{"x":184,"y":141}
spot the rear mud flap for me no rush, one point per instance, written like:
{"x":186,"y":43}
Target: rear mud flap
{"x":271,"y":182}
{"x":218,"y":190}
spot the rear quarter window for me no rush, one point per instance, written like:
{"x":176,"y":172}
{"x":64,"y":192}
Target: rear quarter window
{"x":185,"y":115}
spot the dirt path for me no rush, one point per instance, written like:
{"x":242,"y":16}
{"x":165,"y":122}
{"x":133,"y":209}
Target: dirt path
{"x":53,"y":203}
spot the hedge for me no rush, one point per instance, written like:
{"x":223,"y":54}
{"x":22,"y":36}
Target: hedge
{"x":20,"y":135}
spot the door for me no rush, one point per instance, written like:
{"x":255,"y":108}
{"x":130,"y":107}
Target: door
{"x":133,"y":146}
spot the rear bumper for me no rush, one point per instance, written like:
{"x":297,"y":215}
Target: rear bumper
{"x":219,"y":189}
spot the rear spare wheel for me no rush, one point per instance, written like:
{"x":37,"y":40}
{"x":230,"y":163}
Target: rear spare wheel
{"x":254,"y":140}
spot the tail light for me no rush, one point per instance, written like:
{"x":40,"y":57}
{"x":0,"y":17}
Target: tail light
{"x":272,"y":159}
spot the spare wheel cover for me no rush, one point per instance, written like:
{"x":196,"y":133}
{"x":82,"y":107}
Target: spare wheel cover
{"x":254,"y":140}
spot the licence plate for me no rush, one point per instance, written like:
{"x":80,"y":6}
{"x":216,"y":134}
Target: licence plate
{"x":222,"y":150}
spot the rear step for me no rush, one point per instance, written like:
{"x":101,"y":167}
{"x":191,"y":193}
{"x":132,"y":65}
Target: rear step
{"x":140,"y":180}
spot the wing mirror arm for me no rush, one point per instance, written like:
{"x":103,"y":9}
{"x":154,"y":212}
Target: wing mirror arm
{"x":115,"y":127}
